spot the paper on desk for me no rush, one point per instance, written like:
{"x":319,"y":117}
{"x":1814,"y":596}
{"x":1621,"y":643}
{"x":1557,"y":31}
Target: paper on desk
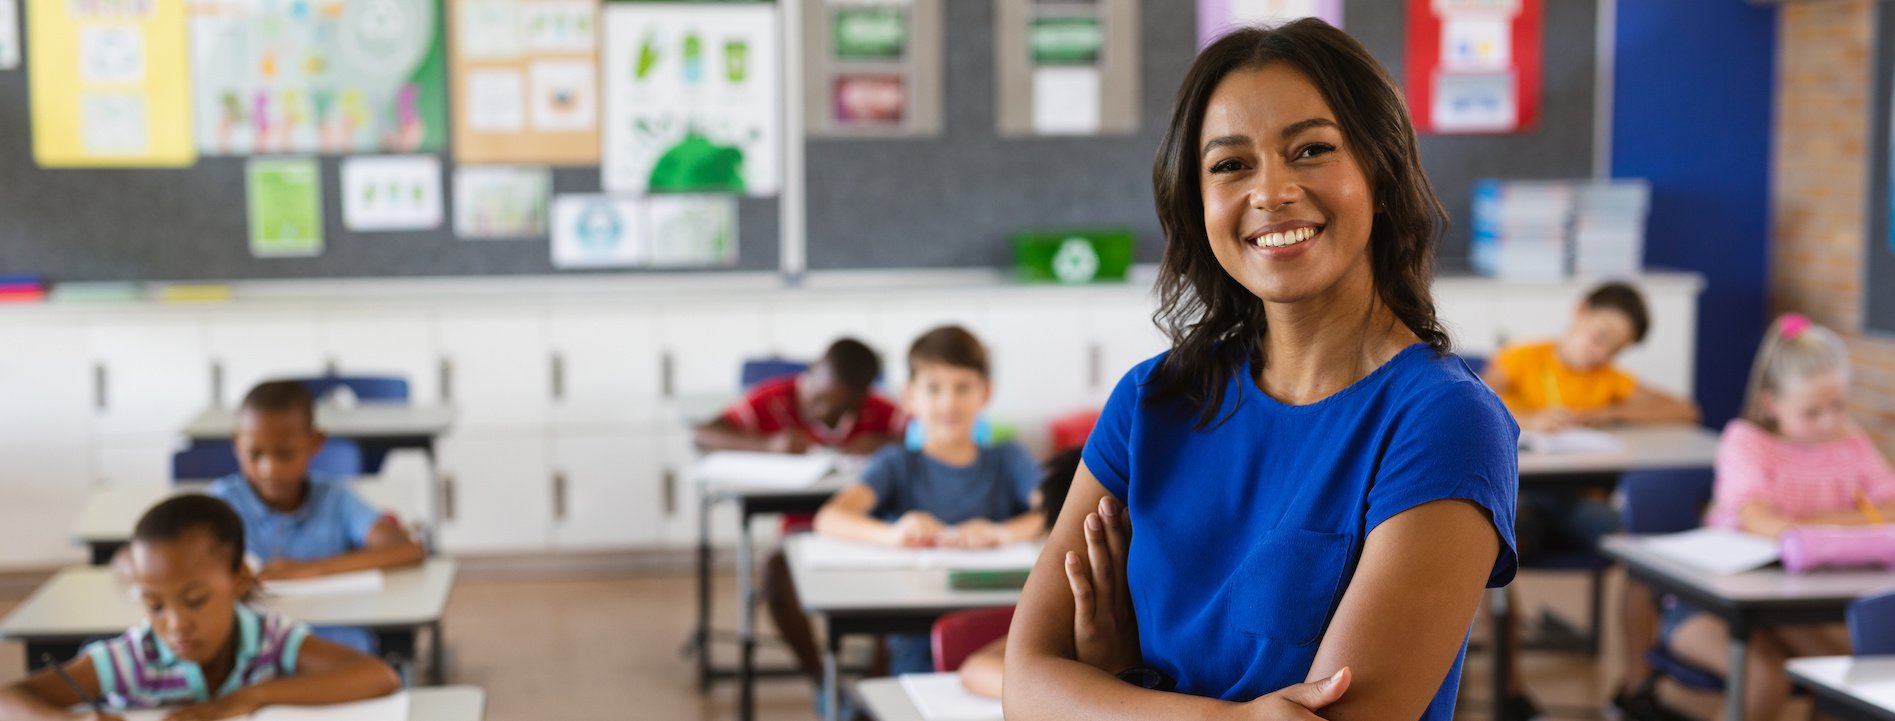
{"x":1716,"y":550}
{"x":764,"y":470}
{"x":941,"y":697}
{"x":1577,"y":440}
{"x":340,"y":584}
{"x":829,"y":553}
{"x":386,"y":708}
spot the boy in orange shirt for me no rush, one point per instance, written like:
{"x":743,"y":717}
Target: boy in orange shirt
{"x":1566,"y":383}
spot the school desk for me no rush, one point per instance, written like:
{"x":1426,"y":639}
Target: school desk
{"x":884,"y":699}
{"x":105,"y":522}
{"x":447,"y":703}
{"x":751,"y":501}
{"x":82,"y":603}
{"x":1747,"y":601}
{"x":876,"y":602}
{"x":1851,"y":688}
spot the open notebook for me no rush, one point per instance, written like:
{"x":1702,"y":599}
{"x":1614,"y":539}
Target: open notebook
{"x":1716,"y":550}
{"x":387,"y":708}
{"x":340,"y":584}
{"x":764,"y":470}
{"x":1575,"y":440}
{"x":941,"y":697}
{"x":831,"y":554}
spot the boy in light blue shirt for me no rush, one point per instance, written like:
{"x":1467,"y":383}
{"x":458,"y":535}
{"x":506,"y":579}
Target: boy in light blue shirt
{"x":950,"y":492}
{"x":298,"y":525}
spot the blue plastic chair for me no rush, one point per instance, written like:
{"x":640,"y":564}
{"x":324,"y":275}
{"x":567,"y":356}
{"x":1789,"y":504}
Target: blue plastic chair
{"x":368,"y":388}
{"x":1669,"y":502}
{"x":1476,"y":363}
{"x":208,"y":459}
{"x":757,"y":370}
{"x":1872,"y":625}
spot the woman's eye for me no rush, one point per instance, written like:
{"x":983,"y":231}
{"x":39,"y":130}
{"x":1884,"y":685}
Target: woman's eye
{"x":1227,"y":165}
{"x":1314,"y":149}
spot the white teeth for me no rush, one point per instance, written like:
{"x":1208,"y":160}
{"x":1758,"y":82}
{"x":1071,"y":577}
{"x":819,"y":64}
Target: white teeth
{"x":1289,"y":237}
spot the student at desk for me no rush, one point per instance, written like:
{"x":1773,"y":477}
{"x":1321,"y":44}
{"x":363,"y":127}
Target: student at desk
{"x":1795,"y":459}
{"x":1570,"y":382}
{"x":202,"y":645}
{"x":949,"y":492}
{"x":300,"y":525}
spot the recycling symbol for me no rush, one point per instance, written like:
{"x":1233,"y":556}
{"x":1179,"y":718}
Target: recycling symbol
{"x":1076,"y":261}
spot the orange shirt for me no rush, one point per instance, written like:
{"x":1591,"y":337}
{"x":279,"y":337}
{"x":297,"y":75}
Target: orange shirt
{"x":1538,"y":380}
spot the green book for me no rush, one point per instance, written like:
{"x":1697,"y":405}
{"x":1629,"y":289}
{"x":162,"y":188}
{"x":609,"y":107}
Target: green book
{"x":987,"y":580}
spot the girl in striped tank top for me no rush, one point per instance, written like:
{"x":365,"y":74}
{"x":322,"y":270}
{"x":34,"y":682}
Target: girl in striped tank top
{"x":1794,"y":459}
{"x":202,"y":648}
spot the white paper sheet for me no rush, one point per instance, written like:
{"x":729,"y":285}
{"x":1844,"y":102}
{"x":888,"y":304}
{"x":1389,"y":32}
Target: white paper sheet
{"x":391,"y":192}
{"x":1477,"y":42}
{"x":488,"y":29}
{"x":386,"y":708}
{"x":560,"y":27}
{"x":501,"y":201}
{"x":565,"y":95}
{"x":764,"y":470}
{"x":1577,"y":440}
{"x":941,"y":697}
{"x":598,"y":231}
{"x":341,"y":584}
{"x":1066,"y":100}
{"x":1716,"y":550}
{"x":496,"y":100}
{"x":1474,"y":103}
{"x":9,"y":34}
{"x":691,"y":230}
{"x":829,"y":553}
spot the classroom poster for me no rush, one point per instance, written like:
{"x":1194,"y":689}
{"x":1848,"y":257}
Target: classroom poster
{"x":318,"y":76}
{"x":868,"y":44}
{"x":691,"y":230}
{"x":9,"y":34}
{"x":526,"y":83}
{"x":1473,"y":66}
{"x":285,"y":203}
{"x":1216,"y":17}
{"x":500,"y":202}
{"x":693,"y":98}
{"x":598,"y":231}
{"x":108,"y":83}
{"x":1067,"y":80}
{"x":392,"y":192}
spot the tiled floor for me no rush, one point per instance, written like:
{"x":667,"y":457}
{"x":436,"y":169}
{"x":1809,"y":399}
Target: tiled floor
{"x":612,"y":648}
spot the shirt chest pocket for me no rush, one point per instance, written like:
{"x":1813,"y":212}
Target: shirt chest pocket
{"x":1285,"y":586}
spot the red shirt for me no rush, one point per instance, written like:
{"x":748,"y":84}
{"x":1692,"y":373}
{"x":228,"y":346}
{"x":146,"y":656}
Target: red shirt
{"x":772,"y":407}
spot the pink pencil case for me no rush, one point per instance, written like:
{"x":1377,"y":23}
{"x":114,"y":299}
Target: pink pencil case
{"x":1813,"y":547}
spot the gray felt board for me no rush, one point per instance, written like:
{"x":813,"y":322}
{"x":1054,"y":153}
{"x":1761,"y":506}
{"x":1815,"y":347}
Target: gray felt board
{"x":1879,"y":280}
{"x":949,"y":201}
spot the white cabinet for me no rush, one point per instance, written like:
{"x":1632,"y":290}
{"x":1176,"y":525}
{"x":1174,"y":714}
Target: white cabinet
{"x":495,"y":369}
{"x":250,"y":348}
{"x":153,"y":375}
{"x":706,"y":347}
{"x":1664,"y":360}
{"x":383,"y":344}
{"x":496,"y":494}
{"x":1040,"y":353}
{"x":1122,"y":336}
{"x":804,"y":331}
{"x":607,"y":491}
{"x":46,"y":384}
{"x":683,"y":500}
{"x":606,"y":369}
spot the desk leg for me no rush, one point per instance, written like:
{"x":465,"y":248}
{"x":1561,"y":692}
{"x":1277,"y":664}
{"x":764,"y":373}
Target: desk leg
{"x":832,"y":675}
{"x":1735,"y":685}
{"x":702,"y":636}
{"x":1500,"y":614}
{"x":747,"y":619}
{"x":437,"y":655}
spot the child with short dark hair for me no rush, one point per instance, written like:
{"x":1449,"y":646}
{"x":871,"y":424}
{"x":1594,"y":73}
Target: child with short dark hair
{"x":950,"y":492}
{"x":299,"y":524}
{"x":201,"y":643}
{"x":831,"y":404}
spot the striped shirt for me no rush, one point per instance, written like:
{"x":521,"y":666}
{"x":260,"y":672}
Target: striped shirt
{"x":1795,"y":479}
{"x":137,"y":670}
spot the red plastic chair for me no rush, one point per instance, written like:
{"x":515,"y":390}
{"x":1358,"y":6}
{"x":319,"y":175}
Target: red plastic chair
{"x":959,"y":634}
{"x":1071,"y":430}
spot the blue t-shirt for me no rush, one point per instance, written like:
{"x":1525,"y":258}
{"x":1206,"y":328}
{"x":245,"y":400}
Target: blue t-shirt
{"x":332,"y":520}
{"x":1245,"y":534}
{"x":997,"y":486}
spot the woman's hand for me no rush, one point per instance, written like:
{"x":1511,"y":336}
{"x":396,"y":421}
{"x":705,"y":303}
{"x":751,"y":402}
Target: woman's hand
{"x":1301,"y":701}
{"x":241,"y":703}
{"x":1105,"y":627}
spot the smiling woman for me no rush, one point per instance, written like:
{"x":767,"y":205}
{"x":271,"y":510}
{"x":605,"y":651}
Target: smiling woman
{"x":1320,"y":490}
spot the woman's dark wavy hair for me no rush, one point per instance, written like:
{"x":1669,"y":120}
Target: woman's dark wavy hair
{"x":1203,"y":310}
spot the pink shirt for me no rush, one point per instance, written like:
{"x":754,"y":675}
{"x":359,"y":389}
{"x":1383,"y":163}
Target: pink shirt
{"x":1796,"y":479}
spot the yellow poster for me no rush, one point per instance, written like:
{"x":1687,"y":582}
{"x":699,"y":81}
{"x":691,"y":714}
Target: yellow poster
{"x":110,"y":83}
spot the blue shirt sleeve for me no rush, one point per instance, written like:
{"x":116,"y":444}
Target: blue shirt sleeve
{"x":1022,"y":475}
{"x":356,"y":515}
{"x":886,"y":475}
{"x":1458,"y":443}
{"x":1108,"y":449}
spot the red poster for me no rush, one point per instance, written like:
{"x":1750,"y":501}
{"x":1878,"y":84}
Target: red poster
{"x":1474,"y":65}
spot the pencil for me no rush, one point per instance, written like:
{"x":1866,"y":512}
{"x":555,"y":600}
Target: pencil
{"x":1868,"y":509}
{"x":1552,"y":389}
{"x":97,"y":707}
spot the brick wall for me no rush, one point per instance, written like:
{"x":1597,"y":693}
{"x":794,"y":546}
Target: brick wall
{"x":1819,"y":192}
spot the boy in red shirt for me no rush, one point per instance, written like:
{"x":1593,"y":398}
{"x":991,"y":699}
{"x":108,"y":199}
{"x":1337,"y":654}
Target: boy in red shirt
{"x":830,"y":405}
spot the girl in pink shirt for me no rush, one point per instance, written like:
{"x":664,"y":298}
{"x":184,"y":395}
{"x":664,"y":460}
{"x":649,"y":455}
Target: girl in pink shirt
{"x":1794,"y":459}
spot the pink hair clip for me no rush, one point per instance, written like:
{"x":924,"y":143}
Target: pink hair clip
{"x":1794,"y":324}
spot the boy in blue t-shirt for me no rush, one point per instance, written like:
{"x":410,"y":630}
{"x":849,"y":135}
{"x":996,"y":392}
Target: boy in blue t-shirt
{"x":951,"y":492}
{"x":298,"y":525}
